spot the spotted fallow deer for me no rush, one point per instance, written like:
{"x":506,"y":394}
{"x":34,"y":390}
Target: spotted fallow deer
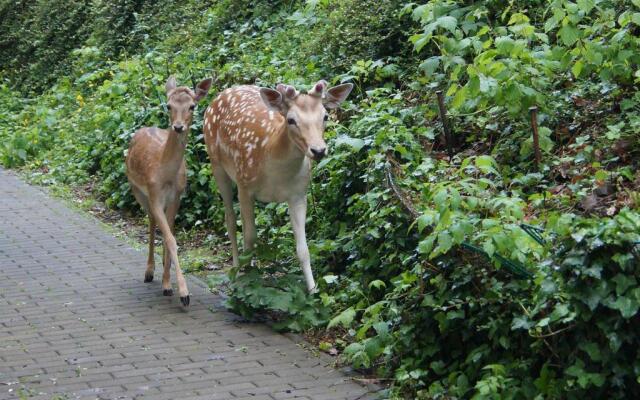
{"x":156,"y":171}
{"x":263,"y":140}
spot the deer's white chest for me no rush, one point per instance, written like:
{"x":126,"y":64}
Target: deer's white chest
{"x":283,"y":181}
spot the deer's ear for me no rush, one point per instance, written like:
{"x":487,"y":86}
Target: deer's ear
{"x":171,"y":84}
{"x":203,"y":88}
{"x":272,"y":98}
{"x":337,"y":95}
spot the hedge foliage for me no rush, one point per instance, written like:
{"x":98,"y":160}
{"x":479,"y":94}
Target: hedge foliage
{"x":392,"y":219}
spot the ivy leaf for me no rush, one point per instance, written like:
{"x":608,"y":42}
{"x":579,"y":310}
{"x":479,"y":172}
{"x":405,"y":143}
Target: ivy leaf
{"x":543,"y":322}
{"x":487,"y":83}
{"x":505,"y":44}
{"x":577,"y":68}
{"x":459,"y":98}
{"x":381,"y":328}
{"x":378,"y":284}
{"x":488,"y":247}
{"x":569,"y":34}
{"x":628,"y":307}
{"x":576,"y":369}
{"x":419,"y":41}
{"x":373,"y":347}
{"x":592,"y":349}
{"x":521,"y":323}
{"x":548,"y":286}
{"x":447,"y":22}
{"x":355,"y":143}
{"x":552,"y":22}
{"x":458,"y":232}
{"x":445,"y":242}
{"x":430,"y":65}
{"x":546,"y":144}
{"x":441,"y":196}
{"x":118,"y":89}
{"x":282,"y":302}
{"x":597,"y":379}
{"x":586,"y":5}
{"x":623,"y":282}
{"x":424,"y":221}
{"x":559,"y":311}
{"x":614,"y":341}
{"x":486,"y":164}
{"x":330,"y":279}
{"x":345,"y":318}
{"x":455,"y":314}
{"x":426,"y":246}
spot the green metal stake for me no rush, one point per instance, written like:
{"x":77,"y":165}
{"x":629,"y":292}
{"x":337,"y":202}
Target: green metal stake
{"x":536,"y":138}
{"x":445,"y":124}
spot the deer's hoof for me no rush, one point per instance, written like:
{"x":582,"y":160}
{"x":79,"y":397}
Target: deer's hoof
{"x":167,"y":292}
{"x":185,"y":300}
{"x":148,"y":277}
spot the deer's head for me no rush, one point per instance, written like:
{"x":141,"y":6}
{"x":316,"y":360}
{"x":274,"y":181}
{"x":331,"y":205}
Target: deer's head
{"x":181,"y":102}
{"x":306,"y":113}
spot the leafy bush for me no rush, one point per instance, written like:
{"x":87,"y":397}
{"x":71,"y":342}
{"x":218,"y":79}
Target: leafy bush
{"x":346,"y":34}
{"x":37,"y":36}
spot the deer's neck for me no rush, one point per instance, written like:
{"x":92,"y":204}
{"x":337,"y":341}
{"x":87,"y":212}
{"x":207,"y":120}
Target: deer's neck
{"x":284,"y":150}
{"x":173,"y":151}
{"x":285,"y":172}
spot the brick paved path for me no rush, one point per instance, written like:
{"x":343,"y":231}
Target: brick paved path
{"x":76,"y":320}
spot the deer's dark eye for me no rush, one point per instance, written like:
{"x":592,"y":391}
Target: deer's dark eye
{"x":192,"y":108}
{"x":291,"y":121}
{"x":168,"y":107}
{"x":326,"y":117}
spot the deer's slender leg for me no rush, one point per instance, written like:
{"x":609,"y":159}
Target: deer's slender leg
{"x":172,"y":210}
{"x":170,"y":242}
{"x":248,"y":218}
{"x":166,"y":263}
{"x":144,"y":202}
{"x":148,"y":275}
{"x":298,"y":213}
{"x":166,"y":274}
{"x":226,"y":191}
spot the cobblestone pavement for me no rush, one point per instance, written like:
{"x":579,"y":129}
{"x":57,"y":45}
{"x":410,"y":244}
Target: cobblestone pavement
{"x":77,"y":321}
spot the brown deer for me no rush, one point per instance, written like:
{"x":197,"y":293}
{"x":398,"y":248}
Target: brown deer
{"x":263,"y":140}
{"x":156,"y":171}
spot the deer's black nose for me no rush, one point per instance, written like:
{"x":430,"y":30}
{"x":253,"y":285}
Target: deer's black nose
{"x":178,"y":128}
{"x":318,"y":152}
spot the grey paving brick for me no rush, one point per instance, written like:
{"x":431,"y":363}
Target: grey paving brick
{"x":76,"y":319}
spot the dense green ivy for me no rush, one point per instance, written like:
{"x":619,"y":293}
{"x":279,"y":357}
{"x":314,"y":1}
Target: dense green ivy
{"x":391,"y":217}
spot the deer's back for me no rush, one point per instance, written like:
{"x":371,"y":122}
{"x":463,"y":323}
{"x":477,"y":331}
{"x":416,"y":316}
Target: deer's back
{"x":238,"y":131}
{"x":144,"y":159}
